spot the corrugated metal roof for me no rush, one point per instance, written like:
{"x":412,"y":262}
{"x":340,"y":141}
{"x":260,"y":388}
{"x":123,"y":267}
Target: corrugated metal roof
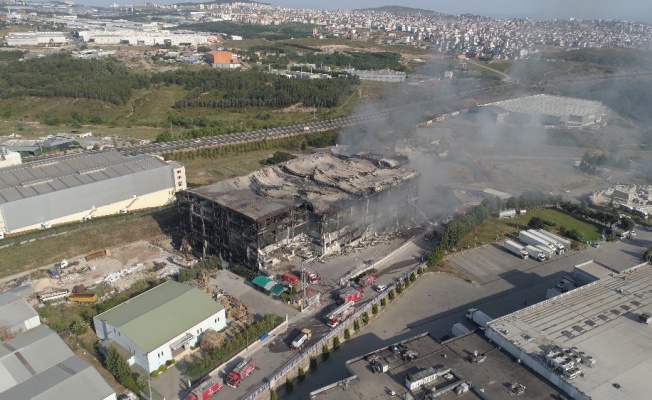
{"x":14,"y":310}
{"x":159,"y":315}
{"x":71,"y":379}
{"x":73,"y":187}
{"x":73,"y":170}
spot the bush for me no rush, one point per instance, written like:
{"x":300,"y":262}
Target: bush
{"x":383,"y":302}
{"x":365,"y":318}
{"x":391,"y":295}
{"x":399,"y":288}
{"x":154,"y":374}
{"x":273,"y":395}
{"x":289,"y":386}
{"x":325,"y":352}
{"x":313,"y":363}
{"x":374,"y":309}
{"x":336,"y":342}
{"x":163,"y":368}
{"x":347,"y":334}
{"x":413,"y":277}
{"x":356,"y":325}
{"x":407,"y":282}
{"x":79,"y":327}
{"x":302,"y":375}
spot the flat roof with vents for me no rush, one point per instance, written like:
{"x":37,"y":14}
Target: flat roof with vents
{"x":599,"y":319}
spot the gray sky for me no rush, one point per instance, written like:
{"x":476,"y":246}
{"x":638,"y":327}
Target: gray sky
{"x":635,"y":10}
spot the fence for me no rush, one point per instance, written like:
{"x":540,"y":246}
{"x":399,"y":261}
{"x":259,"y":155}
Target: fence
{"x":300,"y":358}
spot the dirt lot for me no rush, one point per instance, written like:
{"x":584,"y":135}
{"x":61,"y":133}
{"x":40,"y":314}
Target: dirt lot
{"x":126,"y":265}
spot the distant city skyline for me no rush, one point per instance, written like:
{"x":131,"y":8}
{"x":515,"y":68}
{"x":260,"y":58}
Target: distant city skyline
{"x":632,"y":10}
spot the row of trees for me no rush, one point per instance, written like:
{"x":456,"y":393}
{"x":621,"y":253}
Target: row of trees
{"x":250,"y":31}
{"x":235,"y":89}
{"x":61,"y":75}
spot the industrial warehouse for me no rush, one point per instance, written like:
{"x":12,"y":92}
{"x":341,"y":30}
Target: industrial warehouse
{"x":321,"y":200}
{"x":82,"y":186}
{"x":422,"y":368}
{"x":593,"y":342}
{"x":544,"y":109}
{"x":144,"y":332}
{"x":35,"y":363}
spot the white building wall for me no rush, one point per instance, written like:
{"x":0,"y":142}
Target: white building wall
{"x":151,"y":200}
{"x":154,"y":359}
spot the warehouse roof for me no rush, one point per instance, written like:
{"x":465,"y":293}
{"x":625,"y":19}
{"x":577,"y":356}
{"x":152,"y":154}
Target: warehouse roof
{"x":544,"y":104}
{"x":14,"y":310}
{"x":450,"y":361}
{"x":599,"y":320}
{"x":321,"y":179}
{"x":157,"y":316}
{"x":40,"y":177}
{"x":41,"y":191}
{"x":70,"y":379}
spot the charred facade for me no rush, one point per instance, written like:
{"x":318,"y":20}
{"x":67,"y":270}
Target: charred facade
{"x":324,"y":200}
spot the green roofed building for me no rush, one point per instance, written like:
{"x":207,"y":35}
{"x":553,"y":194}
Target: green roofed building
{"x":157,"y":325}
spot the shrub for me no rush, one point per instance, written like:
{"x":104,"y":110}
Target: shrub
{"x":392,"y":294}
{"x":374,"y":309}
{"x":325,"y":352}
{"x":163,"y":368}
{"x":407,"y":282}
{"x":302,"y":375}
{"x":413,"y":277}
{"x":273,"y":395}
{"x":289,"y":386}
{"x":313,"y":363}
{"x":154,"y":374}
{"x":336,"y":342}
{"x":356,"y":325}
{"x":365,"y":318}
{"x":79,"y":327}
{"x":383,"y":302}
{"x":347,"y":334}
{"x":399,"y":288}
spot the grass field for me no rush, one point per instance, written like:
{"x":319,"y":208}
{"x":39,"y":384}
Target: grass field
{"x":493,"y":227}
{"x":111,"y":232}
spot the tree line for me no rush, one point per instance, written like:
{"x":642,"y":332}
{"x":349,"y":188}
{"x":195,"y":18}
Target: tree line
{"x":61,"y":75}
{"x":251,"y":31}
{"x":236,"y":89}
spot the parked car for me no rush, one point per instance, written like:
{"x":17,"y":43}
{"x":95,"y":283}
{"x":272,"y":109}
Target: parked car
{"x":648,"y":228}
{"x":381,"y":288}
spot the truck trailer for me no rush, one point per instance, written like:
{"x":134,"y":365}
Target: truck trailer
{"x":558,"y":247}
{"x":546,"y":251}
{"x":205,"y":390}
{"x":516,"y":249}
{"x":478,"y":317}
{"x":241,"y":371}
{"x":335,"y":317}
{"x":528,"y":238}
{"x":559,"y":239}
{"x":535,"y":253}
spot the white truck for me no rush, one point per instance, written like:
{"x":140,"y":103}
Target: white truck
{"x":565,"y":242}
{"x":528,"y":238}
{"x":459,"y":329}
{"x":559,"y":248}
{"x":535,"y":253}
{"x":300,"y":340}
{"x":546,"y":251}
{"x":516,"y":249}
{"x":478,"y":317}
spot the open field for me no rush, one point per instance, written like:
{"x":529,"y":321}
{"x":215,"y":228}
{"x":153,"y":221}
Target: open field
{"x":105,"y":233}
{"x":494,"y":227}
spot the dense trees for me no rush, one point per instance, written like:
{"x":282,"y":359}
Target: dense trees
{"x":63,"y":76}
{"x":235,"y":89}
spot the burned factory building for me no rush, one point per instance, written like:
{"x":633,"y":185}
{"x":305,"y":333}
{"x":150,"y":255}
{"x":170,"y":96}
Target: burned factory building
{"x":322,"y":201}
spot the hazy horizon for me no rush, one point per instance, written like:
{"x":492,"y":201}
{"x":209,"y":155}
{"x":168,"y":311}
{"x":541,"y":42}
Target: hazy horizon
{"x":632,"y":10}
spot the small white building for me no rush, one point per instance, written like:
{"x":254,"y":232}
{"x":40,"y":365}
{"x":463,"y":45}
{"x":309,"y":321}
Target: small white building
{"x":9,"y":158}
{"x":16,"y":316}
{"x":157,"y":325}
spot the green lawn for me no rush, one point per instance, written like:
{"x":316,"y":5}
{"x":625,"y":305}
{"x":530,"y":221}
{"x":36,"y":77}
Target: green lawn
{"x":493,"y":227}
